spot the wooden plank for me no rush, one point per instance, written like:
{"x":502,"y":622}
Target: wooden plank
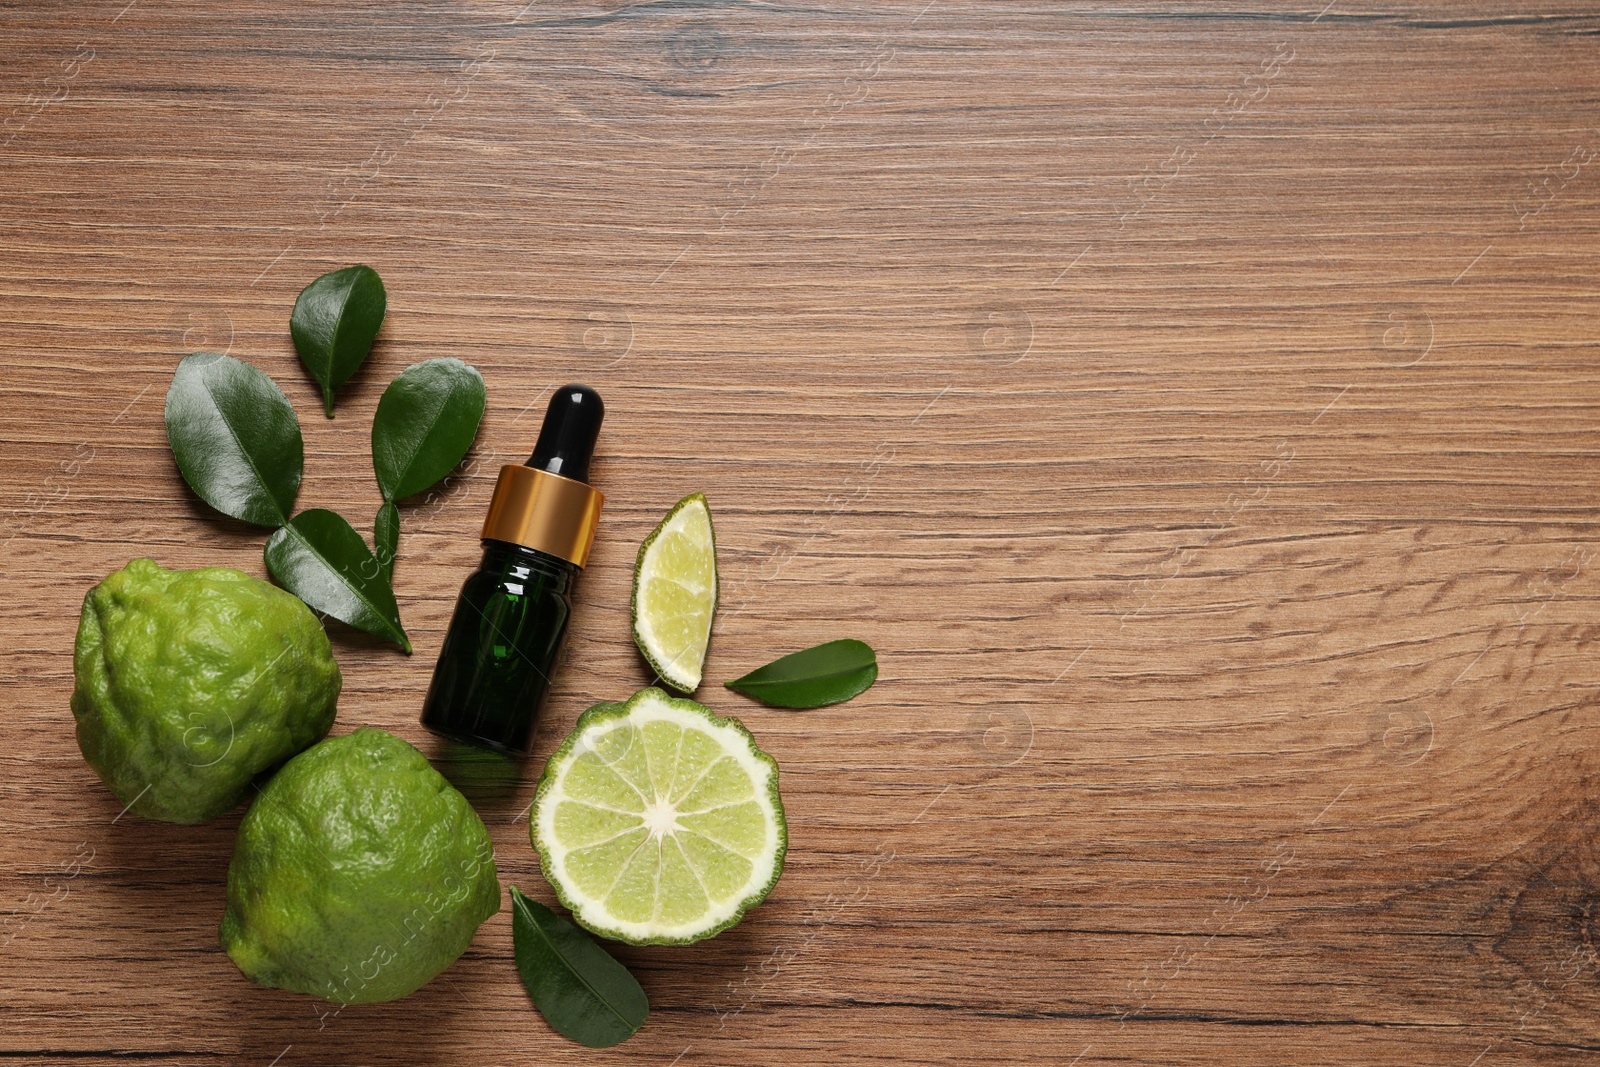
{"x":1194,"y":405}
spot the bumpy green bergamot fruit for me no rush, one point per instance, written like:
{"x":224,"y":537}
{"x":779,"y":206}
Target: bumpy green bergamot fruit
{"x":359,"y":873}
{"x":191,"y":683}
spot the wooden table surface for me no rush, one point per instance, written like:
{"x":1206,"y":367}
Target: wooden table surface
{"x":1194,"y":404}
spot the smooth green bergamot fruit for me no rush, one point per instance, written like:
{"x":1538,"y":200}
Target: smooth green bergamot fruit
{"x":191,"y":683}
{"x":359,"y":874}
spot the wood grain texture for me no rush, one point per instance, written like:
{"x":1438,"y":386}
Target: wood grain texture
{"x":1195,"y":404}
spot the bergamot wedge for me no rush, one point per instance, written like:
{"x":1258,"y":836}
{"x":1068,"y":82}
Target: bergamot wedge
{"x":675,"y":593}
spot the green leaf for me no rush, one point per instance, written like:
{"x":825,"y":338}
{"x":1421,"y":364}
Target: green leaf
{"x":235,"y":437}
{"x":426,"y":421}
{"x":386,"y":538}
{"x":825,"y":674}
{"x":581,"y":991}
{"x":333,"y":324}
{"x":320,"y":559}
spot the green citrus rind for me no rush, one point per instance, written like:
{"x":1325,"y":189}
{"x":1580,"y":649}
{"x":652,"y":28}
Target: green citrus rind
{"x":680,"y":676}
{"x":645,"y":706}
{"x":358,"y":875}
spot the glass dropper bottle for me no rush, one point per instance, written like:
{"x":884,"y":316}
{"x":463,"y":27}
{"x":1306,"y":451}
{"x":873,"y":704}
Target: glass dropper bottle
{"x":505,"y":636}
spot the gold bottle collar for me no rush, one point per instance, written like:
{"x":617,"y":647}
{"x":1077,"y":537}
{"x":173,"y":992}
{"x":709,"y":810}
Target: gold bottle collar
{"x":544,"y":512}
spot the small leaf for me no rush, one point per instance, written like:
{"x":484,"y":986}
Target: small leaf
{"x":581,"y":991}
{"x":333,"y":324}
{"x":425,"y":423}
{"x":235,"y":437}
{"x":825,"y":674}
{"x":386,"y":538}
{"x":320,"y":559}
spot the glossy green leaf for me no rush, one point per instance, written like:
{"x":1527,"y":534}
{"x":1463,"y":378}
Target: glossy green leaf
{"x":321,"y":559}
{"x":235,"y":437}
{"x":333,"y":324}
{"x":386,"y":538}
{"x":825,"y":674}
{"x":426,"y":421}
{"x":578,"y":987}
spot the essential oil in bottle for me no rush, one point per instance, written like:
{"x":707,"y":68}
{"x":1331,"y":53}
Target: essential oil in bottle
{"x":505,"y":636}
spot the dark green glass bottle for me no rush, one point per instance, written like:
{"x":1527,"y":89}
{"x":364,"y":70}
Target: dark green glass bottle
{"x":504,"y":639}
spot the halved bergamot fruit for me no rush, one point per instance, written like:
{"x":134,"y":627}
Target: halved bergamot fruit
{"x":657,"y":822}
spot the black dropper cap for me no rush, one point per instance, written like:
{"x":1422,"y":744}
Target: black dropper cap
{"x":566,"y":440}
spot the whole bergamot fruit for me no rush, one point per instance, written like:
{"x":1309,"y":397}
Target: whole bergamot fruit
{"x":191,"y":683}
{"x":359,"y":873}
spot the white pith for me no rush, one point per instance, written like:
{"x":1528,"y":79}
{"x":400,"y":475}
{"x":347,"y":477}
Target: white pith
{"x":660,"y":818}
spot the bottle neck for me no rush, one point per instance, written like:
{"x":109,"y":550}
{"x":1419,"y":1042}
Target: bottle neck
{"x":505,"y":557}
